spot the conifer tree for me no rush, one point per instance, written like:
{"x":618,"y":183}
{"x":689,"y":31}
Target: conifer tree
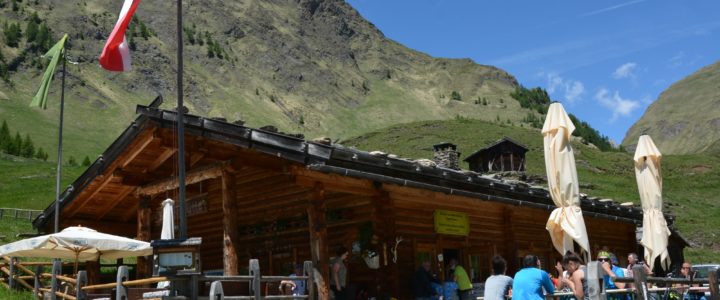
{"x":31,"y":31}
{"x":43,"y":38}
{"x":16,"y":145}
{"x":13,"y":34}
{"x":5,"y":138}
{"x":41,"y":154}
{"x":28,"y":148}
{"x":86,"y":161}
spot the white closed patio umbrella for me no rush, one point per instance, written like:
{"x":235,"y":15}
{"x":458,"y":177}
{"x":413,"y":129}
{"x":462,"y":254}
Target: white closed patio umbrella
{"x":78,"y":243}
{"x":566,"y":223}
{"x":168,"y":220}
{"x":168,"y":228}
{"x":655,"y":231}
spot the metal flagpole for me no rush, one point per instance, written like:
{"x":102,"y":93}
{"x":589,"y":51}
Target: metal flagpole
{"x":59,"y":155}
{"x":181,"y":126}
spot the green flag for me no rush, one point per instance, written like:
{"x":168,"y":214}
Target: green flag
{"x":55,"y":54}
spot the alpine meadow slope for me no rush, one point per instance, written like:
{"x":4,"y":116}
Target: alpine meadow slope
{"x":309,"y":66}
{"x":685,"y":118}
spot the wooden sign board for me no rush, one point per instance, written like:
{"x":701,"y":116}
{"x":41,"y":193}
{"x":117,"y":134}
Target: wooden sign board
{"x":451,"y":222}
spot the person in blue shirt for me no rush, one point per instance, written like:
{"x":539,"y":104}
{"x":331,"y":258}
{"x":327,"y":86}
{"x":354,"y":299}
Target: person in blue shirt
{"x":529,"y":282}
{"x":609,"y":264}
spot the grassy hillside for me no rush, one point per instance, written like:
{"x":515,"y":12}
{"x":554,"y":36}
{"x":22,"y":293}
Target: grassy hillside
{"x":690,"y":186}
{"x":309,"y":66}
{"x":686,"y":117}
{"x":30,"y":183}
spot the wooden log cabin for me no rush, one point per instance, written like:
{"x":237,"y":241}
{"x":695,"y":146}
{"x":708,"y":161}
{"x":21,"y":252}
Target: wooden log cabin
{"x":283,"y":200}
{"x":503,"y":155}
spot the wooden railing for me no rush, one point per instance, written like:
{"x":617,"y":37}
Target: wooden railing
{"x":255,"y":280}
{"x":19,"y":213}
{"x":641,"y":283}
{"x":54,"y":285}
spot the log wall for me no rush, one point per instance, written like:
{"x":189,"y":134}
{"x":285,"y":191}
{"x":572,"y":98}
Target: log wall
{"x":272,"y":225}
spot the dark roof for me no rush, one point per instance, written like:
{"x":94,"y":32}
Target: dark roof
{"x":344,"y":161}
{"x":444,"y":145}
{"x":498,"y":142}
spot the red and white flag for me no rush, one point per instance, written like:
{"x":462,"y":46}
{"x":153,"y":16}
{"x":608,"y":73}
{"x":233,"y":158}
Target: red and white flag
{"x":116,"y":53}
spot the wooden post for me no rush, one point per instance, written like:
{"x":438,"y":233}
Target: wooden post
{"x":121,"y":292}
{"x":510,"y":244}
{"x":309,"y":283}
{"x":56,"y":270}
{"x":216,"y":291}
{"x":713,"y":282}
{"x":37,"y":285}
{"x":81,"y":282}
{"x":11,"y":278}
{"x":230,"y":228}
{"x":144,"y":233}
{"x":641,"y":282}
{"x":318,"y":236}
{"x":255,"y":273}
{"x":384,"y":225}
{"x":93,"y":272}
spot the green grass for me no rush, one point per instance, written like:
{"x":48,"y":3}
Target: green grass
{"x":9,"y":228}
{"x":15,"y":295}
{"x":30,"y":183}
{"x":690,"y":182}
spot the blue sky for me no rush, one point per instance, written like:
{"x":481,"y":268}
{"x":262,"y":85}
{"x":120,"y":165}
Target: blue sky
{"x":605,"y":60}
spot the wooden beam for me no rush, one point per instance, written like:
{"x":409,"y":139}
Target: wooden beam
{"x":193,"y":176}
{"x":105,"y":180}
{"x":144,"y":140}
{"x":162,"y":158}
{"x":383,"y":216}
{"x":112,"y":204}
{"x":230,"y":227}
{"x":333,"y":182}
{"x":144,"y":233}
{"x":196,"y":157}
{"x":318,"y":236}
{"x":116,"y":228}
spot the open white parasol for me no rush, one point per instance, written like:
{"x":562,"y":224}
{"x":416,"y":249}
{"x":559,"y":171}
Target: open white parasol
{"x":78,"y":243}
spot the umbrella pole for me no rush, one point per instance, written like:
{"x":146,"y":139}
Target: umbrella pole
{"x":59,"y":152}
{"x":77,"y":258}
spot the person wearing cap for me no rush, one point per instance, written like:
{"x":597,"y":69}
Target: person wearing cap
{"x":609,"y":264}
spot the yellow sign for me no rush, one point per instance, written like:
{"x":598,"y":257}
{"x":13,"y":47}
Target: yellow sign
{"x":451,"y":222}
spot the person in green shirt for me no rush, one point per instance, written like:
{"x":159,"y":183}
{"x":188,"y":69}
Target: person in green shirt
{"x":462,"y":279}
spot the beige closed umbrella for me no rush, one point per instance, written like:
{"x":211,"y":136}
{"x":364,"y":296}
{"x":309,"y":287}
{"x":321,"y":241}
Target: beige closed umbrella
{"x":566,"y":223}
{"x":655,"y":231}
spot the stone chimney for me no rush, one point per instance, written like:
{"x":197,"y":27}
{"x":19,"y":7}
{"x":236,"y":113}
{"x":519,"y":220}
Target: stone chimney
{"x":446,"y":156}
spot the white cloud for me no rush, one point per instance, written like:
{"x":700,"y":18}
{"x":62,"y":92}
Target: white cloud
{"x":574,"y":90}
{"x":618,"y":105}
{"x":682,"y":60}
{"x":625,"y":71}
{"x":611,"y":8}
{"x":571,"y":89}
